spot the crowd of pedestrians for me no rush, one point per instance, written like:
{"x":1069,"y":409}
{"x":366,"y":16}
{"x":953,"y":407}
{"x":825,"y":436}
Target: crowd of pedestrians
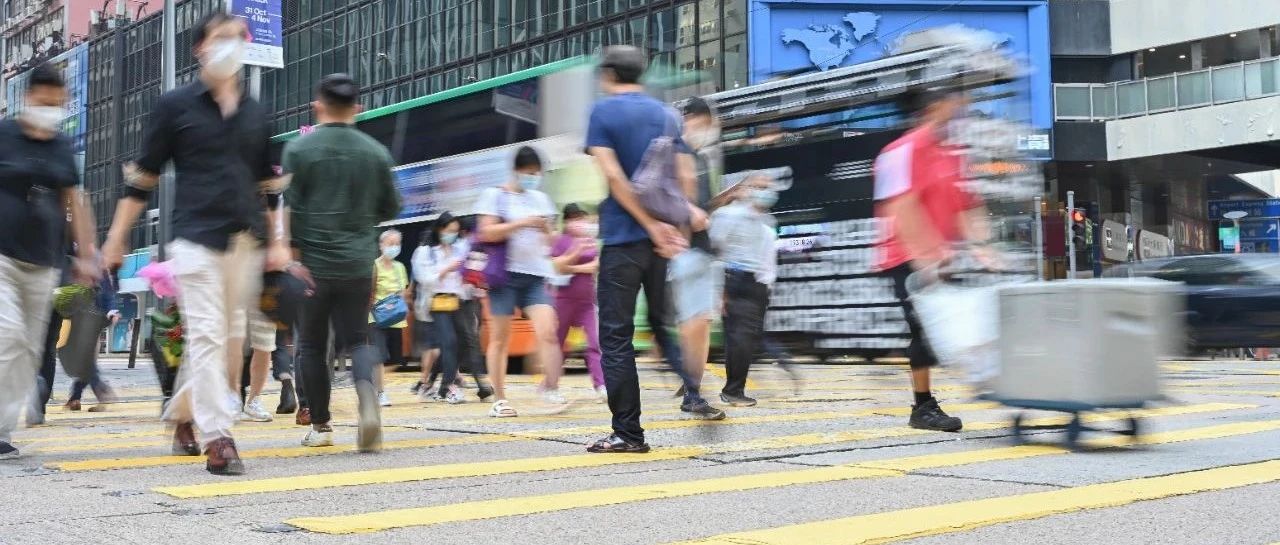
{"x":335,"y":283}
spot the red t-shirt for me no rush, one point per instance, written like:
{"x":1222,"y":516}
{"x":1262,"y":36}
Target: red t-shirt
{"x":919,"y":164}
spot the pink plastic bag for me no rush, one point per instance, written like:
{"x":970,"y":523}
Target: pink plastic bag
{"x":160,"y":275}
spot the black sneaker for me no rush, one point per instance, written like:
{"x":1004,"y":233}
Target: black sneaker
{"x":416,"y":386}
{"x":737,"y":401}
{"x":7,"y":451}
{"x":929,"y":416}
{"x":701,"y":410}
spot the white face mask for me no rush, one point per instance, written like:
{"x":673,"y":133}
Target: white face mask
{"x":224,"y":58}
{"x":44,"y":118}
{"x":391,"y":252}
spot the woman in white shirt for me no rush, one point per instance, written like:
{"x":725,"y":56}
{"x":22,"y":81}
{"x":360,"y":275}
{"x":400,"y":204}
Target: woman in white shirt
{"x":439,"y":274}
{"x":521,"y":216}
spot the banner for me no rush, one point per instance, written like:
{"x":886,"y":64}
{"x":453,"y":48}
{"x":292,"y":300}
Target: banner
{"x":264,"y":18}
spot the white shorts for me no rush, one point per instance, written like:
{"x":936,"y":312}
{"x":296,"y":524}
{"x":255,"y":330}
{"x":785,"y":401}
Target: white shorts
{"x":695,"y":280}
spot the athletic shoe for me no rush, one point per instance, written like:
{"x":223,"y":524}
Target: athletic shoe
{"x":288,"y":398}
{"x":384,"y":400}
{"x":553,"y":397}
{"x":502,"y":409}
{"x":8,"y":452}
{"x":701,"y":410}
{"x":223,"y":457}
{"x":455,"y":397}
{"x":417,"y":387}
{"x":929,"y":416}
{"x":322,"y":437}
{"x":254,"y":412}
{"x":430,"y":396}
{"x":602,"y":394}
{"x":369,"y":422}
{"x":737,"y":401}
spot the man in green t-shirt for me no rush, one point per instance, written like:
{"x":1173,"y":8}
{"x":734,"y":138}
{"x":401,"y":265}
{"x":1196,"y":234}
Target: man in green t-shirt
{"x":341,"y":189}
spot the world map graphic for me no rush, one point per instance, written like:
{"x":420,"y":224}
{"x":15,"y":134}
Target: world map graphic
{"x":829,"y":45}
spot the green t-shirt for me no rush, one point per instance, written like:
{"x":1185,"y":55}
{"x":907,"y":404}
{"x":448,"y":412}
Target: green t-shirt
{"x":342,"y":187}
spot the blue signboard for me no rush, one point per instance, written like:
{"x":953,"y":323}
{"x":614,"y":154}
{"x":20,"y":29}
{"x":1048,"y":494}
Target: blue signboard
{"x":787,"y":36}
{"x":1255,"y":208}
{"x":265,"y":20}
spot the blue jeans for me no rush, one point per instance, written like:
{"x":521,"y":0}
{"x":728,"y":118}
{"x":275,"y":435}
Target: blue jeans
{"x":624,"y":269}
{"x":522,"y":291}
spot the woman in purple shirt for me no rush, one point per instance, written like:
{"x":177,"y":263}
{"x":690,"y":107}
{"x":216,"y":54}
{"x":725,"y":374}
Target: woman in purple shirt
{"x":576,"y":256}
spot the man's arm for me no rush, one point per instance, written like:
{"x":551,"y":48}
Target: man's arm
{"x":666,"y":238}
{"x":140,"y":179}
{"x":687,"y":173}
{"x":82,"y":229}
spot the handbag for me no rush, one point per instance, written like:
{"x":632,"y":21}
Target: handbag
{"x":487,"y":264}
{"x":445,"y":302}
{"x":390,"y":310}
{"x":656,"y":185}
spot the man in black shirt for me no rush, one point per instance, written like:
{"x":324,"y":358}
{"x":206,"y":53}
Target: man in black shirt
{"x":38,"y":191}
{"x":217,"y":139}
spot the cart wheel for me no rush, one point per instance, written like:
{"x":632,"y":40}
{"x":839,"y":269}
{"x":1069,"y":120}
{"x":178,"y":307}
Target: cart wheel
{"x":1074,"y":429}
{"x":1018,"y":437}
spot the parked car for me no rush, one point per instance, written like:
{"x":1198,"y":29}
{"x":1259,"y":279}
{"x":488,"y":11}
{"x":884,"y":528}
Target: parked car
{"x":1232,"y":300}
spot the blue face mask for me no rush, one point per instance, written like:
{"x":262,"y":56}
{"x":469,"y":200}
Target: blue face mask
{"x":448,"y":238}
{"x":530,"y":181}
{"x":764,"y":198}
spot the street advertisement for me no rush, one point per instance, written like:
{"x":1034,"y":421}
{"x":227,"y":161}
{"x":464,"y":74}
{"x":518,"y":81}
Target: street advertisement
{"x":454,"y":183}
{"x":266,"y":31}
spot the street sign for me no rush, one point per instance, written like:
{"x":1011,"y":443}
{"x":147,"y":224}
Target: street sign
{"x":264,"y":18}
{"x":1255,"y":208}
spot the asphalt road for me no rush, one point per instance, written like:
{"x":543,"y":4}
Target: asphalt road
{"x":824,"y":461}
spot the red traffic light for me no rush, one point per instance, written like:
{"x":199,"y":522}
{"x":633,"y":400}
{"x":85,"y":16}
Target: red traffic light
{"x":1077,"y":216}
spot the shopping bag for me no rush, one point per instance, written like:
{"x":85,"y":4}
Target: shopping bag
{"x":79,"y":355}
{"x":961,"y":326}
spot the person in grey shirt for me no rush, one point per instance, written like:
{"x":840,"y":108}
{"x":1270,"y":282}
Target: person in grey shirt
{"x":743,"y":235}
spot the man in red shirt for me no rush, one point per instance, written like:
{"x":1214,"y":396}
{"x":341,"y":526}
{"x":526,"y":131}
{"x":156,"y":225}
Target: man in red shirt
{"x":923,"y":211}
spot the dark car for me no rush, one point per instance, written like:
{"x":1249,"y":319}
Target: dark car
{"x":1233,"y":300}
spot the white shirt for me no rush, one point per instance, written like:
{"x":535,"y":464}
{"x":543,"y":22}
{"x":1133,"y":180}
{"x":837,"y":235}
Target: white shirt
{"x":528,"y":250}
{"x":427,"y":263}
{"x":745,"y":239}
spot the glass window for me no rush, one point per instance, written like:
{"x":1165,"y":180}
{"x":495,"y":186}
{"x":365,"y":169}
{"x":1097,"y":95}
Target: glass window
{"x":617,"y":34}
{"x":577,"y":11}
{"x":502,"y":23}
{"x":484,"y":18}
{"x":636,"y":34}
{"x":686,"y":59}
{"x":437,"y":83}
{"x":537,"y":55}
{"x":594,"y":8}
{"x":708,"y":19}
{"x":501,"y":66}
{"x":484,"y":70}
{"x":520,"y":19}
{"x":735,"y":16}
{"x":662,"y":31}
{"x":612,"y":7}
{"x":576,"y":45}
{"x":552,"y":15}
{"x":595,"y":40}
{"x":451,"y":35}
{"x":735,"y":62}
{"x":520,"y":60}
{"x":709,"y":61}
{"x":685,"y":25}
{"x":423,"y":44}
{"x":469,"y":29}
{"x":555,"y":50}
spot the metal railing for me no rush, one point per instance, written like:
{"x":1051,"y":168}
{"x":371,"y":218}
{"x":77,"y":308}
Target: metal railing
{"x":1180,"y":91}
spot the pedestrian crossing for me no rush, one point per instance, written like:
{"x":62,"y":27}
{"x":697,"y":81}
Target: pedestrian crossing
{"x":794,"y":460}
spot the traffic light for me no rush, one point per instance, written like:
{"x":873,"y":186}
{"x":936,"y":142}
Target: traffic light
{"x":1079,"y":228}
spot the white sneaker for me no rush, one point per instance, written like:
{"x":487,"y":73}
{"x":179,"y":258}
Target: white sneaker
{"x":455,"y":397}
{"x":432,"y":396}
{"x":501,"y":409}
{"x":384,"y":399}
{"x":553,"y":397}
{"x":253,"y":412}
{"x":602,"y":394}
{"x":318,"y":438}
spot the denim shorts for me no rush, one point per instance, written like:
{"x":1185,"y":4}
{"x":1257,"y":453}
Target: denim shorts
{"x":522,"y":291}
{"x":695,"y":282}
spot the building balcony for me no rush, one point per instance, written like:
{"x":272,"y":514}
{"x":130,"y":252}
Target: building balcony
{"x":1180,"y":91}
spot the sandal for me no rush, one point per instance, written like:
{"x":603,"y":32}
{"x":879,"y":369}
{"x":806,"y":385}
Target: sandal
{"x":501,"y":409}
{"x":617,"y":445}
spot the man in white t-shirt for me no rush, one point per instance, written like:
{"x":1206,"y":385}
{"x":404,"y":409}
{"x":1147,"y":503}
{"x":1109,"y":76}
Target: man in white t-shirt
{"x":521,"y":216}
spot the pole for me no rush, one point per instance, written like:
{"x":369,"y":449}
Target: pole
{"x":1071,"y":243}
{"x":1039,"y":240}
{"x":255,"y":82}
{"x":169,"y":67}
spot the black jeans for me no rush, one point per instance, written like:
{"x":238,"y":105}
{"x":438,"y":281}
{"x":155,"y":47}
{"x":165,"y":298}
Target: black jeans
{"x":624,"y":269}
{"x":346,"y":303}
{"x":391,"y":341}
{"x":48,"y":361}
{"x":919,"y":354}
{"x":745,"y":301}
{"x":448,"y":331}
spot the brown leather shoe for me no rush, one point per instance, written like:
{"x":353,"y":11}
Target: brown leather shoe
{"x":184,"y":440}
{"x":73,"y":405}
{"x":223,"y":457}
{"x":304,"y":417}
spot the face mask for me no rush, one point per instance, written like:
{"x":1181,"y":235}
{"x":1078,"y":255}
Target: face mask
{"x":764,"y":198}
{"x":225,"y":58}
{"x":391,"y":252}
{"x":448,"y":238}
{"x":530,"y":181}
{"x":584,"y":229}
{"x":44,"y":118}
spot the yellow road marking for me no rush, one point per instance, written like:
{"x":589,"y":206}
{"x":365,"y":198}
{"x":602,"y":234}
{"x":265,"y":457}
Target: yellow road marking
{"x":411,"y":474}
{"x":528,"y":505}
{"x":950,"y":518}
{"x":1211,"y":391}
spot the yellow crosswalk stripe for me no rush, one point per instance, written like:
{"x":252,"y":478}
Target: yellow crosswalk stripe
{"x":528,"y":505}
{"x":291,"y":452}
{"x":411,"y":474}
{"x":963,"y":516}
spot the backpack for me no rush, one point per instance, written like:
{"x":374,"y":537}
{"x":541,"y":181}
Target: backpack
{"x":656,"y":185}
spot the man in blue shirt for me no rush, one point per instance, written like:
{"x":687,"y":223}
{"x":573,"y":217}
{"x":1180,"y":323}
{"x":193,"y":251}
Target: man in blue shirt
{"x":636,"y":246}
